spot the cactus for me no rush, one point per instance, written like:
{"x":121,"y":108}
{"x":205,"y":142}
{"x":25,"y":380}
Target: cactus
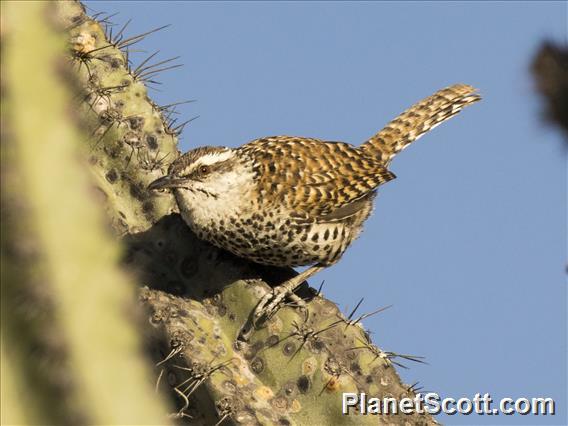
{"x":72,"y":353}
{"x":195,"y":297}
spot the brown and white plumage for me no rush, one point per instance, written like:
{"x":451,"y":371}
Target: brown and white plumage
{"x":325,"y":176}
{"x":417,"y":120}
{"x":294,"y":201}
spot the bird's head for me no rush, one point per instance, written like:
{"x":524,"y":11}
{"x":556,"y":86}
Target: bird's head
{"x":201,"y":174}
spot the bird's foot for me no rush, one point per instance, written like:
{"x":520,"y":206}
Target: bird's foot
{"x":273,"y":300}
{"x":270,"y":303}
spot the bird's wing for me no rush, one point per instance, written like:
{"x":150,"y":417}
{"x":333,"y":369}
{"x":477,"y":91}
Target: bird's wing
{"x":313,"y":178}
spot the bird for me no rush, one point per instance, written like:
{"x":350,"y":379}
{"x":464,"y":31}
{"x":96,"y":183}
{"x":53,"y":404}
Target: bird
{"x":293,"y":201}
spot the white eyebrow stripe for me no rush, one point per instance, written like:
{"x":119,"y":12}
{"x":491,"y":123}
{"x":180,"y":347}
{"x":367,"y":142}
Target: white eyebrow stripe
{"x":215,"y":157}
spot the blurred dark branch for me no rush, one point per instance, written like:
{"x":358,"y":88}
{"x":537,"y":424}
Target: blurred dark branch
{"x":550,"y":70}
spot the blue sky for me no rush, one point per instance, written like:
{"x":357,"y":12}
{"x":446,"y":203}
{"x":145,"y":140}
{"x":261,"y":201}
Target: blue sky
{"x":469,"y":242}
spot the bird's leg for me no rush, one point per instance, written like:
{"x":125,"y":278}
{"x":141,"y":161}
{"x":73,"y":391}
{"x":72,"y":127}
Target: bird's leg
{"x":268,"y":305}
{"x":270,"y":302}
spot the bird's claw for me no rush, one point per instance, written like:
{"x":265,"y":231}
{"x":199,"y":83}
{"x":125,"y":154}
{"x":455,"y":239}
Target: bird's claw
{"x":269,"y":305}
{"x":271,"y":302}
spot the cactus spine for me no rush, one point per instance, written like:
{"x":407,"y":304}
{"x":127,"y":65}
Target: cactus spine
{"x":195,"y":297}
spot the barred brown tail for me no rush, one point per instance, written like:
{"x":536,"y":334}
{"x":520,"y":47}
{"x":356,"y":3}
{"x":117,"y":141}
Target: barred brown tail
{"x":417,"y":120}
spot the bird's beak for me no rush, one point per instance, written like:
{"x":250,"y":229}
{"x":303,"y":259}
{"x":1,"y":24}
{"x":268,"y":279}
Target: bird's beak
{"x":167,"y":182}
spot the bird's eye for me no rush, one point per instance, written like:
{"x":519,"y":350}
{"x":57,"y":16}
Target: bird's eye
{"x":204,"y":170}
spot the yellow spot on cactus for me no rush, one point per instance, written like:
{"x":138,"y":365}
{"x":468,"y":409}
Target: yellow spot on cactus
{"x":309,"y":366}
{"x":295,"y":407}
{"x":263,"y":393}
{"x":240,"y":380}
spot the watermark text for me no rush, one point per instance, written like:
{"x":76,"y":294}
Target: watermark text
{"x":432,"y":403}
